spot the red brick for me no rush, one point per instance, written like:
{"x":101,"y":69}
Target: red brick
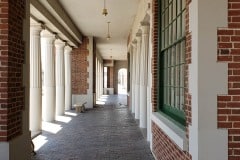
{"x":234,"y":65}
{"x":234,"y":25}
{"x":236,"y":138}
{"x":164,"y":148}
{"x":233,"y":78}
{"x":235,"y":19}
{"x":234,"y":118}
{"x":236,"y":111}
{"x":79,"y":68}
{"x":236,"y":45}
{"x":225,"y":32}
{"x":224,"y":98}
{"x":234,"y":145}
{"x":235,"y":51}
{"x":12,"y":59}
{"x":222,"y":118}
{"x":234,"y":92}
{"x":224,"y":58}
{"x":236,"y":98}
{"x":224,"y":124}
{"x":234,"y":13}
{"x":236,"y":124}
{"x":224,"y":111}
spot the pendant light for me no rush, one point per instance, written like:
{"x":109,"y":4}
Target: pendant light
{"x":105,"y":12}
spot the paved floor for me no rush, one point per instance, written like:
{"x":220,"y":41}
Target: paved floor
{"x":108,"y":132}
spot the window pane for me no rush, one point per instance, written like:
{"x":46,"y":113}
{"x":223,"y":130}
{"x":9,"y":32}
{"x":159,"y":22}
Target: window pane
{"x":183,"y":23}
{"x":166,"y":18}
{"x":181,"y":98}
{"x":166,"y":38}
{"x":177,"y":98}
{"x":162,"y":5}
{"x":163,"y":22}
{"x":182,"y":50}
{"x":177,"y":76}
{"x":174,"y":31}
{"x":179,"y":31}
{"x":173,"y":50}
{"x":170,"y":34}
{"x":174,"y":9}
{"x":183,"y":4}
{"x":163,"y":39}
{"x":179,"y":9}
{"x":166,"y":3}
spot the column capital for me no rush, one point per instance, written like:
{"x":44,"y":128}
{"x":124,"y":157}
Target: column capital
{"x":67,"y":49}
{"x":145,"y":27}
{"x":35,"y":28}
{"x":134,"y":43}
{"x":59,"y":44}
{"x":46,"y":34}
{"x":138,"y":37}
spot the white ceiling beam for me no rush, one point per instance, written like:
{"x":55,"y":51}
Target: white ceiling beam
{"x":65,"y":17}
{"x":51,"y":22}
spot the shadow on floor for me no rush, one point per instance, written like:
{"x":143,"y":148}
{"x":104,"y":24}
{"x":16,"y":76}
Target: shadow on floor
{"x":108,"y":132}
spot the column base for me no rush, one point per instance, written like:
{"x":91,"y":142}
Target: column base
{"x":136,"y":97}
{"x":60,"y":100}
{"x":68,"y":98}
{"x":49,"y":106}
{"x":35,"y":109}
{"x":143,"y":107}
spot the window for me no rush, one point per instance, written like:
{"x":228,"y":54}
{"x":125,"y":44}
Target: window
{"x":172,"y":59}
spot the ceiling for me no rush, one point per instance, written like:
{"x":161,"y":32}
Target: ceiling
{"x":87,"y":16}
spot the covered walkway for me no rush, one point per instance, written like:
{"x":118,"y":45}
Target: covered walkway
{"x":106,"y":132}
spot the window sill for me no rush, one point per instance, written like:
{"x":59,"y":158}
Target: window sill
{"x":173,"y":131}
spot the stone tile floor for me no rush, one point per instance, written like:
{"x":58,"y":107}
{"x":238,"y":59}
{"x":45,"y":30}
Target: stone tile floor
{"x":107,"y":132}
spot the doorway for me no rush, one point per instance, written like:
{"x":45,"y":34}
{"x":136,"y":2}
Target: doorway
{"x":122,"y":81}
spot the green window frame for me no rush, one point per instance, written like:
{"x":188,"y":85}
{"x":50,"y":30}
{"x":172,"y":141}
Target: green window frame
{"x":172,"y":59}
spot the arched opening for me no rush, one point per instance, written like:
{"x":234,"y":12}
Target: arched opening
{"x":122,"y":81}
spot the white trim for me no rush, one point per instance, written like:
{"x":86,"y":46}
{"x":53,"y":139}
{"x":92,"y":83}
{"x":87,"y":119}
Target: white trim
{"x":176,"y":134}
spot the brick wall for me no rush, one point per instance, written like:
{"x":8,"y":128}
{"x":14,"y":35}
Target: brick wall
{"x":155,"y":40}
{"x":110,"y":77}
{"x":229,"y":105}
{"x":11,"y":62}
{"x":80,"y":66}
{"x":188,"y":57}
{"x":163,"y":147}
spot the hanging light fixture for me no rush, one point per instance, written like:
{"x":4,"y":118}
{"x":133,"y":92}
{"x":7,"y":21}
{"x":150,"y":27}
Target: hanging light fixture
{"x":105,"y":12}
{"x":108,"y":34}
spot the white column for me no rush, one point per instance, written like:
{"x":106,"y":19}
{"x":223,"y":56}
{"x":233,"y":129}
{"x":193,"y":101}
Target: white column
{"x":144,"y":75}
{"x":97,"y":79}
{"x":137,"y":81}
{"x":35,"y":78}
{"x":60,"y":77}
{"x":149,"y":90}
{"x":68,"y":80}
{"x":133,"y":75}
{"x":47,"y":40}
{"x":100,"y":79}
